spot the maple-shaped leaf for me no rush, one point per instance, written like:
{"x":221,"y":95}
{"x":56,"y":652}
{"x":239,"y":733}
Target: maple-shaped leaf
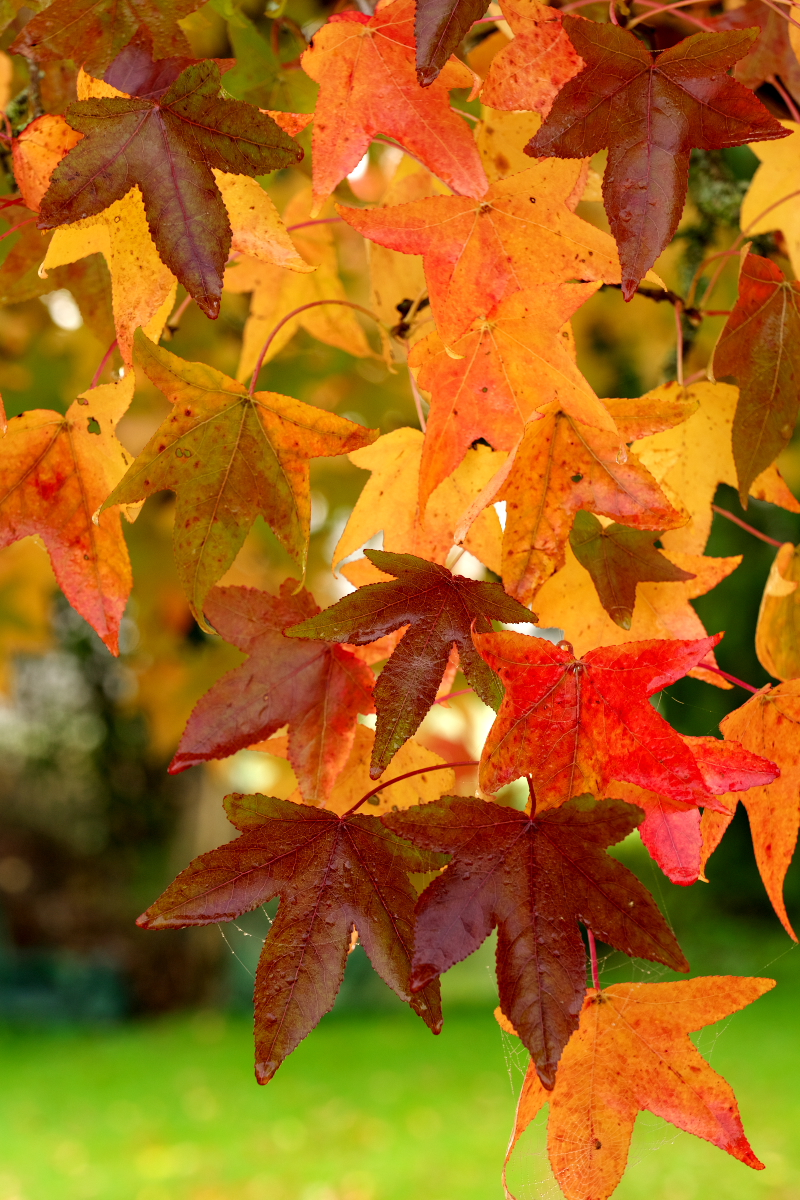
{"x":368,"y":85}
{"x":229,"y":456}
{"x":317,"y":690}
{"x":693,"y":458}
{"x":561,"y":467}
{"x":618,"y":558}
{"x":633,"y":1054}
{"x":354,"y":781}
{"x":333,"y":875}
{"x":771,"y":200}
{"x":529,"y":72}
{"x":778,"y":628}
{"x":568,"y":600}
{"x":441,"y":611}
{"x":534,"y":878}
{"x":771,"y":54}
{"x":93,"y":32}
{"x":55,"y":472}
{"x":124,"y":144}
{"x":440,"y":27}
{"x":650,"y":111}
{"x":510,"y":364}
{"x":767,"y":724}
{"x":388,"y":504}
{"x":760,"y":346}
{"x":573,"y":724}
{"x":523,"y":234}
{"x":671,"y":830}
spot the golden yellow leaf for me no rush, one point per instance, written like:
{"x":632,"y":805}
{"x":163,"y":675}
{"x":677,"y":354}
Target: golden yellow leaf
{"x":27,"y":585}
{"x":694,"y":458}
{"x":276,"y":293}
{"x":501,"y":138}
{"x":388,"y":503}
{"x":568,"y":601}
{"x":354,"y":780}
{"x":765,"y":207}
{"x":778,"y":629}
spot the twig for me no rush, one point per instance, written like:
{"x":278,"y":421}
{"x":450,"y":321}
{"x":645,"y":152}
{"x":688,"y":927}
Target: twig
{"x":654,"y":9}
{"x":173,"y":324}
{"x":593,"y":959}
{"x":678,"y":310}
{"x":723,"y":512}
{"x":19,"y":225}
{"x":785,"y":97}
{"x":748,"y":687}
{"x":103,"y":364}
{"x":664,"y":296}
{"x":469,"y":762}
{"x":294,"y":313}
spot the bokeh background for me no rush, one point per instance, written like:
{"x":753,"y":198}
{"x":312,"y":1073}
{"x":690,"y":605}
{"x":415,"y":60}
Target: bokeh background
{"x":126,"y":1056}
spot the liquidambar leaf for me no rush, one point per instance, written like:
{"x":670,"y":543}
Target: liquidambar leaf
{"x":617,"y":560}
{"x":318,"y":690}
{"x":760,"y":346}
{"x":767,"y":724}
{"x":534,"y":878}
{"x":229,"y":456}
{"x":440,"y":27}
{"x":650,"y":110}
{"x":572,"y":725}
{"x":632,"y":1053}
{"x":365,"y":68}
{"x":441,"y":609}
{"x":124,"y":145}
{"x":531,"y":70}
{"x":333,"y":875}
{"x":778,"y":629}
{"x":55,"y":472}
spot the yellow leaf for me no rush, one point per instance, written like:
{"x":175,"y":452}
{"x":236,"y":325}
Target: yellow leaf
{"x":27,"y":585}
{"x":778,"y":629}
{"x":694,"y":458}
{"x":275,"y":293}
{"x":776,"y":178}
{"x":501,"y":138}
{"x":388,"y":503}
{"x":354,"y":780}
{"x":568,"y":601}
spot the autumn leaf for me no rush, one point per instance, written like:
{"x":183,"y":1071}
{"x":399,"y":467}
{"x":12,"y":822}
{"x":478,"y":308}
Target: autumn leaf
{"x":277,"y":292}
{"x":530,"y":71}
{"x":262,"y":76}
{"x":568,"y":600}
{"x":571,"y":725}
{"x":767,"y":724}
{"x":650,"y":111}
{"x":760,"y":346}
{"x":317,"y":690}
{"x":501,"y":138}
{"x":55,"y":472}
{"x":777,"y":632}
{"x":368,"y":86}
{"x":510,"y":365}
{"x":388,"y":503}
{"x":632,"y":1054}
{"x":772,"y":200}
{"x":671,"y":831}
{"x":439,"y":28}
{"x":27,"y":586}
{"x":561,"y":467}
{"x":618,"y":559}
{"x":354,"y":780}
{"x":522,"y":235}
{"x":441,"y":611}
{"x":229,"y":456}
{"x":36,"y":152}
{"x":534,"y":878}
{"x":693,"y":458}
{"x":333,"y":875}
{"x":123,"y":145}
{"x":93,"y":34}
{"x":771,"y":54}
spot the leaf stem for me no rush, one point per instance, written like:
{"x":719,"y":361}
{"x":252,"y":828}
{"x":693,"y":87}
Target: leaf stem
{"x":678,"y":310}
{"x":785,"y":97}
{"x":748,"y":687}
{"x":418,"y":400}
{"x":19,"y":225}
{"x":469,"y":762}
{"x":103,"y":364}
{"x":314,"y":221}
{"x":723,"y":512}
{"x":294,"y":313}
{"x":452,"y":695}
{"x":173,"y":324}
{"x":593,"y":959}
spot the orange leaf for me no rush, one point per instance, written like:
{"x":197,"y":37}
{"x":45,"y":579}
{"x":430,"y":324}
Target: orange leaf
{"x":529,"y":73}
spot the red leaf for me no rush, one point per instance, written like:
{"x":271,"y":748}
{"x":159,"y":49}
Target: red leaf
{"x":533,"y":878}
{"x":440,"y":27}
{"x":333,"y":875}
{"x":650,"y":111}
{"x":317,"y":690}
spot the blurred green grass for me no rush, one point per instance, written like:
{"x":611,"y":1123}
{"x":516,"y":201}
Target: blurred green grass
{"x":370,"y":1107}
